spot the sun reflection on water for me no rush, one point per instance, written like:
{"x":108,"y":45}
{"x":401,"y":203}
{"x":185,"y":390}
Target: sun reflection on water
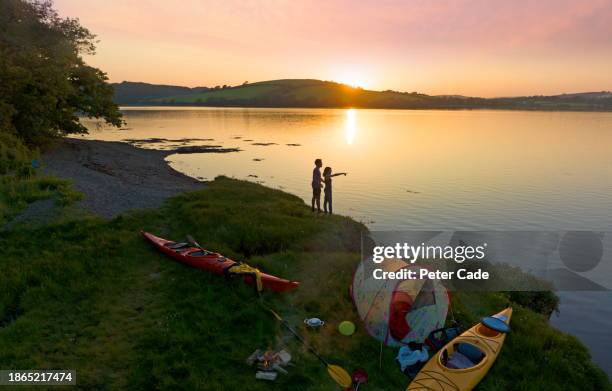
{"x":351,"y":126}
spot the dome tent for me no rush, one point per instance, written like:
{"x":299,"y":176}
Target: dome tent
{"x":397,"y":312}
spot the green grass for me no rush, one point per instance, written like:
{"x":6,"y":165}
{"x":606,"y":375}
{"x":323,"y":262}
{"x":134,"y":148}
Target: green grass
{"x":19,"y":186}
{"x":15,"y":157}
{"x":16,"y":194}
{"x":91,"y":295}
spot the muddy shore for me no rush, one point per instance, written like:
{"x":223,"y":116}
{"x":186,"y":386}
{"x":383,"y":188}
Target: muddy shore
{"x":115,"y":177}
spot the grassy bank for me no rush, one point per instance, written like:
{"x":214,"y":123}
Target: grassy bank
{"x":90,"y":294}
{"x":19,"y":186}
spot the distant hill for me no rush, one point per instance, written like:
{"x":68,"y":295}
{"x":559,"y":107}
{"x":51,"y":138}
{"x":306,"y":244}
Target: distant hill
{"x":318,"y":93}
{"x":128,"y":92}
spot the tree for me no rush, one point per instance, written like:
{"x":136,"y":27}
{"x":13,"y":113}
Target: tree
{"x":44,"y":82}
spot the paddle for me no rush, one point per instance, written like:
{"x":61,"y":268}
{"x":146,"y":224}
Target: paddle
{"x":192,"y":241}
{"x":337,"y":373}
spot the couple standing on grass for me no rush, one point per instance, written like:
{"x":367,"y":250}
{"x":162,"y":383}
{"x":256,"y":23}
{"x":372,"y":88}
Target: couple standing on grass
{"x":317,"y":184}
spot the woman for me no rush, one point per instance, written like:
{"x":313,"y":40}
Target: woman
{"x":327,"y":199}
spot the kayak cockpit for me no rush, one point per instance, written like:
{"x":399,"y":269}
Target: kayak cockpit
{"x":461,"y":356}
{"x":180,"y":247}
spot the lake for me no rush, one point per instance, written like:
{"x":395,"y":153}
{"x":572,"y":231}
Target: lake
{"x":416,"y":170}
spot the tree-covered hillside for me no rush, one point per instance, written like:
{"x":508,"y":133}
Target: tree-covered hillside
{"x":318,"y":93}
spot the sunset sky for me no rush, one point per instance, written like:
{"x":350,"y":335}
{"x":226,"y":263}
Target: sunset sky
{"x":468,"y":47}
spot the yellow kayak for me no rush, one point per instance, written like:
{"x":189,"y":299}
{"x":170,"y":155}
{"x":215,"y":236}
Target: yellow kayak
{"x":464,"y":361}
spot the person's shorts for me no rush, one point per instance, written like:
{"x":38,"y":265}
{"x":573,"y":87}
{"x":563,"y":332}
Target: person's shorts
{"x":316,"y":192}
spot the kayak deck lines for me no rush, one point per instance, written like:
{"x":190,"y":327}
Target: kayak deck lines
{"x":442,"y":383}
{"x":490,"y":343}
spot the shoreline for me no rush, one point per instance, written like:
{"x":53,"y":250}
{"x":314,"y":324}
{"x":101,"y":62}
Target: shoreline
{"x":116,"y":177}
{"x":523,"y":109}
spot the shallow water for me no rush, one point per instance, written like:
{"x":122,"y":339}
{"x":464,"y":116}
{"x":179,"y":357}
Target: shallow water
{"x":449,"y":170}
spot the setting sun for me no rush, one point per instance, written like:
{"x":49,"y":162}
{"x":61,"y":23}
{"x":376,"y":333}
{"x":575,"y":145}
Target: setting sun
{"x":353,"y":79}
{"x":352,"y":83}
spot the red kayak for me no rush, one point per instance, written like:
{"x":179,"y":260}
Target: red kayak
{"x":214,"y":262}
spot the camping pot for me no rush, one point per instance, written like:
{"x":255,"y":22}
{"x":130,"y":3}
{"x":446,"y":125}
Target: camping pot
{"x":314,"y":322}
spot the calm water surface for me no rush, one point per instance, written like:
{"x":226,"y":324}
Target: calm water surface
{"x":450,"y":170}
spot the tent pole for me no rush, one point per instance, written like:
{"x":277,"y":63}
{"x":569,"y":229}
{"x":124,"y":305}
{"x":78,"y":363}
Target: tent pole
{"x":380,"y":356}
